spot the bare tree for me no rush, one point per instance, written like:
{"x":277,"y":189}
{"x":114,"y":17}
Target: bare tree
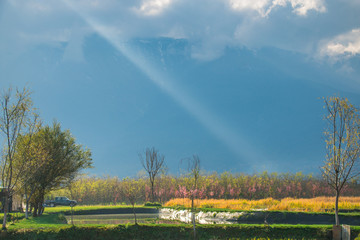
{"x":342,"y":144}
{"x":152,"y":164}
{"x":194,"y":177}
{"x":132,"y":192}
{"x":14,"y":113}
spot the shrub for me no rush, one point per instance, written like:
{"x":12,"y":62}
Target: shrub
{"x":152,"y":204}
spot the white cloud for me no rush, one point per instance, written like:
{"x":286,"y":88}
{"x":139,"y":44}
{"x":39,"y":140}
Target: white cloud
{"x":264,"y":7}
{"x":259,"y":6}
{"x":344,"y":45}
{"x":301,"y":7}
{"x":153,"y":7}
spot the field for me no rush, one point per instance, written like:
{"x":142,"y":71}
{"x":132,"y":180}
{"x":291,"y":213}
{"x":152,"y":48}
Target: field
{"x":319,"y":204}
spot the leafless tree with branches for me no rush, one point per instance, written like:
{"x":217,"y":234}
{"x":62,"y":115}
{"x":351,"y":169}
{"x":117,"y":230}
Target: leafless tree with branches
{"x":152,"y":163}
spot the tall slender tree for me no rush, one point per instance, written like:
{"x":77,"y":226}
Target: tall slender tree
{"x":152,"y":163}
{"x":193,"y":173}
{"x":16,"y":108}
{"x":132,"y":192}
{"x":343,"y":145}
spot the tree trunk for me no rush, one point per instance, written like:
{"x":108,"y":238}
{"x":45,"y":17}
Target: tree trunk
{"x":40,"y":203}
{"x":41,"y":208}
{"x":6,"y":209}
{"x":337,"y":222}
{"x":72,"y":215}
{"x":26,"y":206}
{"x":27,"y":209}
{"x":27,"y":202}
{"x":35,"y":210}
{"x":134,"y":214}
{"x":152,"y":192}
{"x":193,"y":216}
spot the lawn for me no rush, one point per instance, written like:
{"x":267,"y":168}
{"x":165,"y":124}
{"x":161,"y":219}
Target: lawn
{"x":54,"y":216}
{"x":45,"y":221}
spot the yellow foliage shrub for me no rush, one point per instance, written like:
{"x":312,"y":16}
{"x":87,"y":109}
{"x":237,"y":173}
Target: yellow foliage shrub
{"x":319,"y":204}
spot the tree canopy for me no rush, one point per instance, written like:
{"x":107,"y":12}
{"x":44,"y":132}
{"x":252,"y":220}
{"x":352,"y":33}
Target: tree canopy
{"x":56,"y":160}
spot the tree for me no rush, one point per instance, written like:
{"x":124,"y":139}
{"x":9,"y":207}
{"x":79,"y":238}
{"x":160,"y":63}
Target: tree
{"x":64,"y":159}
{"x":29,"y":159}
{"x":152,"y":164}
{"x":194,"y":177}
{"x":342,"y":137}
{"x":132,"y":192}
{"x":15,"y":111}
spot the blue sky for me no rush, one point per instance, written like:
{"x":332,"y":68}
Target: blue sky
{"x":238,"y":82}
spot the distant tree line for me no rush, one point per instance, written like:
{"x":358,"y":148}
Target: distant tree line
{"x":226,"y":185}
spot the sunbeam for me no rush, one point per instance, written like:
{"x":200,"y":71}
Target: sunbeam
{"x":248,"y":155}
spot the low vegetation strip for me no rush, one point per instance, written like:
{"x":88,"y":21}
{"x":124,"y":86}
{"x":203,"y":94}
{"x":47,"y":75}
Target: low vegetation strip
{"x":101,"y":209}
{"x":174,"y":232}
{"x":295,"y":218}
{"x":319,"y":204}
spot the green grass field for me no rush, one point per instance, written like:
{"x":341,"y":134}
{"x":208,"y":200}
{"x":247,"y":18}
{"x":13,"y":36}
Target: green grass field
{"x":45,"y":221}
{"x":89,"y":207}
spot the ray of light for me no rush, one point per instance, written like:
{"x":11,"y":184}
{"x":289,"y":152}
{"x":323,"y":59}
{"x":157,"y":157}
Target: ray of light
{"x":239,"y":146}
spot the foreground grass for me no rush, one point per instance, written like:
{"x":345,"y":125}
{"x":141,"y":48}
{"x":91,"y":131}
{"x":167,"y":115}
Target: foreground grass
{"x":52,"y":226}
{"x":164,"y":231}
{"x":44,"y":221}
{"x":319,"y":204}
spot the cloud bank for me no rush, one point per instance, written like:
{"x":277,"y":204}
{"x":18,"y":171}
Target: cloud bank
{"x":153,"y":7}
{"x":208,"y":25}
{"x":264,"y":7}
{"x":344,"y":45}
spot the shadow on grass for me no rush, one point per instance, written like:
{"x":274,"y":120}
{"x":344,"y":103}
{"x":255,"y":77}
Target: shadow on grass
{"x":44,"y":221}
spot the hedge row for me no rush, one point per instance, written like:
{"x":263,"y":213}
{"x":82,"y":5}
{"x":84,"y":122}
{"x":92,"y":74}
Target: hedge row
{"x":174,"y":232}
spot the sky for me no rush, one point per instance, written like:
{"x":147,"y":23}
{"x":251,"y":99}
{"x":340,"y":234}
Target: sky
{"x":238,"y":82}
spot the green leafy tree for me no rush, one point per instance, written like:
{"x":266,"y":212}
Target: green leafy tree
{"x":64,"y":159}
{"x":342,"y":144}
{"x":29,"y":159}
